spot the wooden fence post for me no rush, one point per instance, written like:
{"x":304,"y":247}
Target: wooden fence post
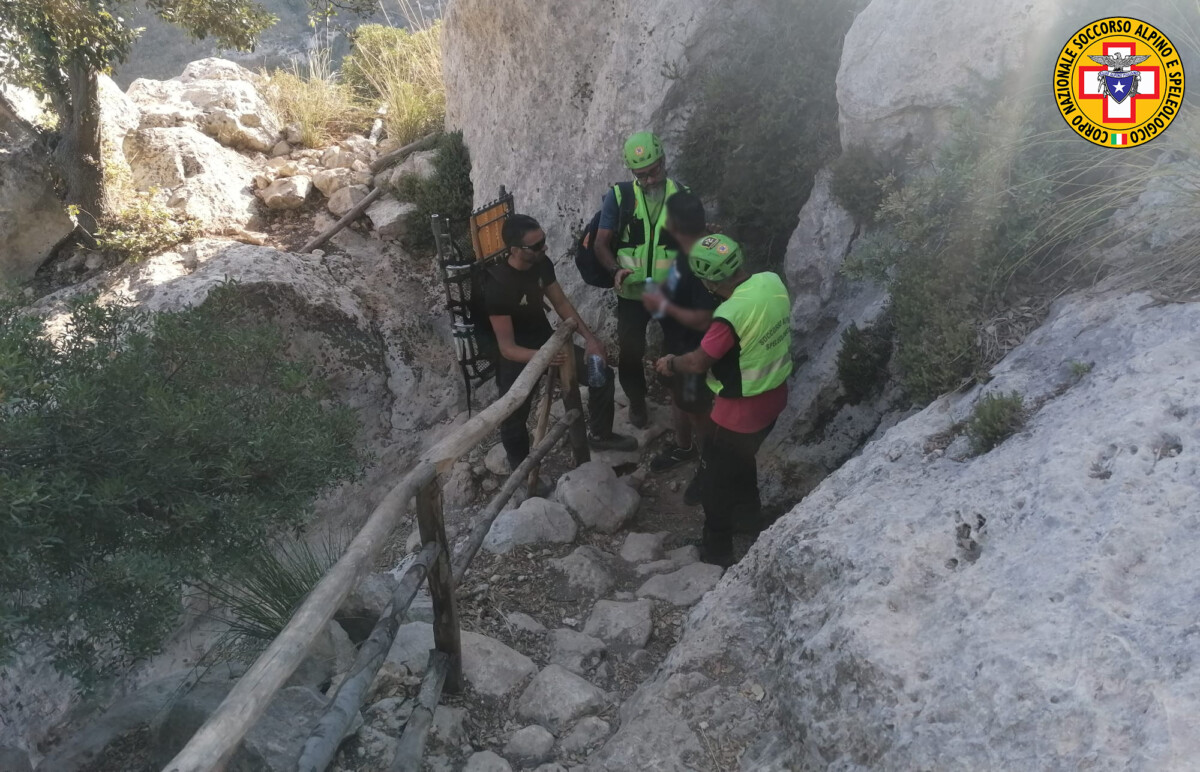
{"x":543,"y":423}
{"x":441,"y":582}
{"x":573,"y":401}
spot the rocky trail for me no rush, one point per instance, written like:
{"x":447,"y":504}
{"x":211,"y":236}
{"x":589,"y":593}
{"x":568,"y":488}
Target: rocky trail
{"x":573,"y":604}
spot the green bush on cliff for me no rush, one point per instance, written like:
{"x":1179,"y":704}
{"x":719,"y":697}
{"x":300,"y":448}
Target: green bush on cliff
{"x":996,"y":417}
{"x":862,"y":361}
{"x":139,"y":454}
{"x":448,"y":192}
{"x":975,"y":228}
{"x":766,"y":120}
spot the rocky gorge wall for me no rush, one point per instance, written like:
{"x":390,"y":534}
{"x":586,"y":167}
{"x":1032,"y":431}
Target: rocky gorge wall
{"x":925,"y":609}
{"x":921,"y":608}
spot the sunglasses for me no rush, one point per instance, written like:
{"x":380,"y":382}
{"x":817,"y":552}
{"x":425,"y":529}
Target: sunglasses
{"x":648,"y":172}
{"x":537,"y":247}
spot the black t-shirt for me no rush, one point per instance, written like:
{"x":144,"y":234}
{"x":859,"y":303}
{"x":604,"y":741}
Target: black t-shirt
{"x":685,"y":290}
{"x":519,"y":294}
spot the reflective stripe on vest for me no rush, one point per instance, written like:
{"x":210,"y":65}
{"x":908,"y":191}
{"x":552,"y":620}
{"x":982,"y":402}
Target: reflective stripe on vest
{"x":636,"y":258}
{"x":760,"y":313}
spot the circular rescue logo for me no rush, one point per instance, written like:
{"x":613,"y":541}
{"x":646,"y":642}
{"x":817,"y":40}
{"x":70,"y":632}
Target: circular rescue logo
{"x":1119,"y":82}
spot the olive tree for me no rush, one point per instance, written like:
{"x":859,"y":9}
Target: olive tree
{"x":57,"y":48}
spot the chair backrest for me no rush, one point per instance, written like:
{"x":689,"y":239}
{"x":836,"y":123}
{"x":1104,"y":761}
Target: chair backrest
{"x":486,"y":225}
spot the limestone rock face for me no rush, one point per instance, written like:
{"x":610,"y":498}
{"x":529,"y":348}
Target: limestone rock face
{"x":216,"y":96}
{"x":597,"y":72}
{"x":917,"y":612}
{"x":817,"y":432}
{"x":200,"y":177}
{"x":879,"y":109}
{"x":32,"y":218}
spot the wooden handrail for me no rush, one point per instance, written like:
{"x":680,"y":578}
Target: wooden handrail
{"x":485,"y":422}
{"x":215,"y":742}
{"x":323,"y":743}
{"x":465,"y":554}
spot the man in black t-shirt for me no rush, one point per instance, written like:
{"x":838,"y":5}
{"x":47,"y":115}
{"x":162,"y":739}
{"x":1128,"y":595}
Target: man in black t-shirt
{"x":514,"y":292}
{"x":686,"y":310}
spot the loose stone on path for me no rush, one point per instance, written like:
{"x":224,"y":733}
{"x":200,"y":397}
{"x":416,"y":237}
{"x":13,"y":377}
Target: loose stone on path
{"x":683,"y":587}
{"x":556,"y":697}
{"x":621,"y":624}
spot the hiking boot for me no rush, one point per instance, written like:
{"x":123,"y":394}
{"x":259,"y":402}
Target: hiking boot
{"x":717,"y":549}
{"x":638,"y":416}
{"x":612,"y":441}
{"x":673,"y":456}
{"x":693,"y":494}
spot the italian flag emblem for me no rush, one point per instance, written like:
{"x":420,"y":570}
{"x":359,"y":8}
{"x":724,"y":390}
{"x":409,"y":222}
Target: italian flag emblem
{"x":1118,"y":139}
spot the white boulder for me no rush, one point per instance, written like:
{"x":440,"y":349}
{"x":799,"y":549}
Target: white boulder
{"x":345,"y":199}
{"x":556,"y":697}
{"x":594,"y":494}
{"x":287,"y":192}
{"x":390,"y":218}
{"x":200,"y":177}
{"x":536,"y":521}
{"x":219,"y":97}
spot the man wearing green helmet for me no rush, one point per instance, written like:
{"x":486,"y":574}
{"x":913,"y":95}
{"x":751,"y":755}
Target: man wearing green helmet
{"x":747,"y":355}
{"x":635,"y":252}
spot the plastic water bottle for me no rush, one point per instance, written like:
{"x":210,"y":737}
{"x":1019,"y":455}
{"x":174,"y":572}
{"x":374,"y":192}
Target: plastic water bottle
{"x":651,"y":288}
{"x":595,"y":371}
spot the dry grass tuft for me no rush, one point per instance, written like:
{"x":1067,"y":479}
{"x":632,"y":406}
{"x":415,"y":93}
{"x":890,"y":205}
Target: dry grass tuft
{"x":316,"y":100}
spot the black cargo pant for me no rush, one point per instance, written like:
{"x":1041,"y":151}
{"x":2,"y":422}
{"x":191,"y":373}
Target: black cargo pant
{"x":514,"y":431}
{"x":632,"y":319}
{"x":729,"y":482}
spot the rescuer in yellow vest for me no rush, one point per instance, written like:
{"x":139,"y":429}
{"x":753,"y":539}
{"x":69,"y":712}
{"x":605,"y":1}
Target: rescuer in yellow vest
{"x":636,"y":251}
{"x":747,"y":355}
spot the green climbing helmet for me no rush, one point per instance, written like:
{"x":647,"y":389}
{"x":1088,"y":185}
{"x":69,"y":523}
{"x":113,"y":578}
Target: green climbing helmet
{"x":642,"y":150}
{"x":715,"y":258}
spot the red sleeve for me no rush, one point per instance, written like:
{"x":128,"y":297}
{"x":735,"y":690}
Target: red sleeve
{"x":719,"y":339}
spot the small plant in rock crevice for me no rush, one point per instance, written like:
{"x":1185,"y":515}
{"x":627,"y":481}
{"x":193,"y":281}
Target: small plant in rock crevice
{"x":860,"y":180}
{"x":996,"y":417}
{"x":144,"y":227}
{"x":862,"y":361}
{"x":1080,"y":369}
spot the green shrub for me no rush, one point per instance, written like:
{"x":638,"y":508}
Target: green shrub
{"x":140,"y":453}
{"x":144,"y":227}
{"x":448,"y":192}
{"x":767,"y":120}
{"x":861,"y":178}
{"x":862,"y":361}
{"x":996,"y":418}
{"x":401,"y":70}
{"x":977,"y":226}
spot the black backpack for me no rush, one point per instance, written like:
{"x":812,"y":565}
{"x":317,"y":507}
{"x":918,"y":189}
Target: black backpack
{"x":590,"y":268}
